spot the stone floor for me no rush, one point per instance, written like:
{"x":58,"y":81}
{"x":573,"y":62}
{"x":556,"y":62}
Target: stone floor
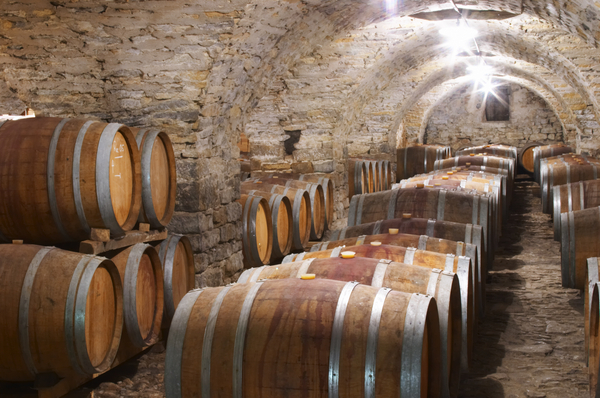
{"x":530,"y":344}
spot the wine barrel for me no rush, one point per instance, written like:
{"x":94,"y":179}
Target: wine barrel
{"x":159,"y":178}
{"x":565,"y":172}
{"x":525,"y":158}
{"x":301,"y":213}
{"x":422,"y":242}
{"x":418,"y":159}
{"x":257,"y":230}
{"x":580,"y":240}
{"x":462,"y":266}
{"x":62,"y":177}
{"x":375,"y":178}
{"x":499,"y":162}
{"x":357,"y":177}
{"x":442,"y":285}
{"x":507,"y":151}
{"x":177,"y":261}
{"x":62,"y":312}
{"x":385,"y":174}
{"x":575,"y":196}
{"x":547,"y":151}
{"x":424,"y":203}
{"x":317,"y":201}
{"x":281,"y":216}
{"x":143,"y":295}
{"x":467,"y":233}
{"x":325,"y":182}
{"x":240,"y":340}
{"x":593,"y":270}
{"x":594,"y":339}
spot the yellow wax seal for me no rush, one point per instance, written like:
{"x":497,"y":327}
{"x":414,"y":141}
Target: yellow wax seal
{"x":420,"y":185}
{"x":406,"y":215}
{"x":468,"y":163}
{"x":375,"y":243}
{"x":437,"y":184}
{"x":471,"y":154}
{"x":444,"y":177}
{"x":348,"y":254}
{"x":308,"y":276}
{"x":393,"y":231}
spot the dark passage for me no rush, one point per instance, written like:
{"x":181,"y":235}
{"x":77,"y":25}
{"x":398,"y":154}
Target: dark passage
{"x":531,"y":343}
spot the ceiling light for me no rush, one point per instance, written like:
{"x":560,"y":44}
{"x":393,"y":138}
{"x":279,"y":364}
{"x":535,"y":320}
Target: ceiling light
{"x":459,"y":37}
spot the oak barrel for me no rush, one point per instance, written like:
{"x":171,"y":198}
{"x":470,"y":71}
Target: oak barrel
{"x":301,"y":213}
{"x":357,"y":177}
{"x":385,"y":174}
{"x":62,"y":177}
{"x":257,"y":230}
{"x":594,"y":339}
{"x":143,"y":295}
{"x":580,"y":240}
{"x":525,"y":158}
{"x":467,"y":233}
{"x":499,"y":162}
{"x":62,"y":312}
{"x":311,"y":337}
{"x":547,"y":151}
{"x":462,"y":266}
{"x":177,"y":259}
{"x":565,"y":171}
{"x":442,"y":285}
{"x":317,"y":201}
{"x":593,"y":271}
{"x":282,"y":221}
{"x":508,"y":151}
{"x":417,"y":159}
{"x":575,"y":196}
{"x":159,"y":177}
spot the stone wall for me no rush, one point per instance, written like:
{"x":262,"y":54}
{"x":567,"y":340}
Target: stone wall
{"x":459,"y":120}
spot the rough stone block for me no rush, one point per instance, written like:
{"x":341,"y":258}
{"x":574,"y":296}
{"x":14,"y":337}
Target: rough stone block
{"x":302,"y":168}
{"x":209,"y":278}
{"x":185,"y":223}
{"x":326,"y":166}
{"x":187,"y":198}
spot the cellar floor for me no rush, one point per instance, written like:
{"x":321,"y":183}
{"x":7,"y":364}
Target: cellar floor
{"x":530,"y":343}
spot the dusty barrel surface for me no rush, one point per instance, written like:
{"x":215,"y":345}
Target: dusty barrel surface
{"x":442,"y":285}
{"x":177,"y":260}
{"x":462,"y":266}
{"x":301,"y":212}
{"x":547,"y":151}
{"x":317,"y":201}
{"x":62,"y":177}
{"x":499,"y":162}
{"x":62,"y":312}
{"x":282,"y":221}
{"x":467,"y":233}
{"x":495,"y":149}
{"x":579,"y":240}
{"x":159,"y":177}
{"x":571,"y":197}
{"x":257,"y":230}
{"x":143,"y":295}
{"x":327,"y":337}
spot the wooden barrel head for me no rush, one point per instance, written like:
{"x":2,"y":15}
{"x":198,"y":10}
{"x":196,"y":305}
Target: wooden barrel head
{"x":121,"y":177}
{"x":100,"y":316}
{"x":263,"y":232}
{"x":284,"y":226}
{"x":182,"y":282}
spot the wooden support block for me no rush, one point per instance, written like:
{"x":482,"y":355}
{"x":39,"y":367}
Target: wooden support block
{"x":17,"y":241}
{"x":130,"y":238}
{"x":100,"y":234}
{"x":144,"y":227}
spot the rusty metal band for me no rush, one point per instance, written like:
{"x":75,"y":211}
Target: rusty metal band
{"x":474,"y":215}
{"x":433,"y":281}
{"x":334,"y":234}
{"x":209,"y":332}
{"x":107,"y":212}
{"x":146,"y":166}
{"x":297,"y":239}
{"x":430,"y":229}
{"x":468,"y":231}
{"x":50,"y":180}
{"x":412,"y":345}
{"x":392,"y":204}
{"x":317,"y":247}
{"x":300,"y":256}
{"x":581,"y":196}
{"x":336,"y":252}
{"x":245,"y":228}
{"x":564,"y":249}
{"x":465,"y":280}
{"x":449,"y":264}
{"x":423,"y":242}
{"x":372,"y":340}
{"x":568,"y":167}
{"x":360,"y":240}
{"x":24,"y":309}
{"x":246,"y":275}
{"x":336,"y":339}
{"x":168,"y":274}
{"x":556,"y":210}
{"x":174,"y":356}
{"x":460,"y":248}
{"x":352,"y":211}
{"x":342,"y":233}
{"x":289,"y":258}
{"x":572,"y":248}
{"x":379,"y":274}
{"x":130,"y":294}
{"x":304,"y":267}
{"x":441,"y":204}
{"x":240,"y":341}
{"x":570,"y":197}
{"x":409,"y":255}
{"x":274,"y":203}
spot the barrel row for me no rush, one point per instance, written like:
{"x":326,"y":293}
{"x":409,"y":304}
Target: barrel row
{"x":62,"y":177}
{"x":494,"y":149}
{"x":547,"y":151}
{"x":95,"y":312}
{"x":366,"y":176}
{"x":418,"y":159}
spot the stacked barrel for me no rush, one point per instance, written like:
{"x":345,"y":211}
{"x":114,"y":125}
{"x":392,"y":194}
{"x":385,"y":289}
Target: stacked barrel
{"x":570,"y":193}
{"x":63,"y":181}
{"x":387,"y":305}
{"x":418,"y":159}
{"x":282,"y":212}
{"x":368,"y":176}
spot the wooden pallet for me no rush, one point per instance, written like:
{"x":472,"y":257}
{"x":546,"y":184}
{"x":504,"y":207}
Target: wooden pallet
{"x":100,"y":240}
